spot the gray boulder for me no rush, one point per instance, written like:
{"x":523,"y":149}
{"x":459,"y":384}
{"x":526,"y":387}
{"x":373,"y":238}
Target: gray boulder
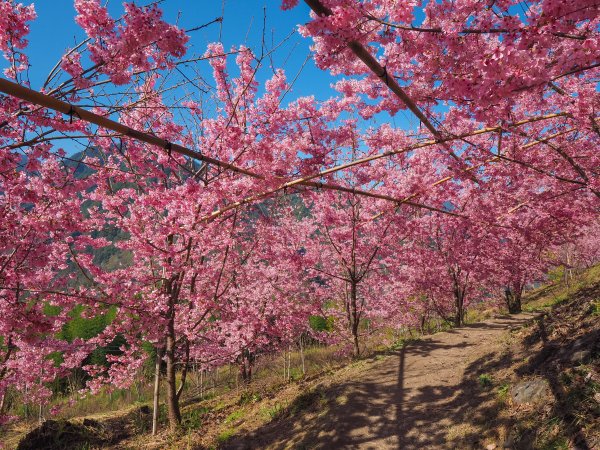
{"x":535,"y":390}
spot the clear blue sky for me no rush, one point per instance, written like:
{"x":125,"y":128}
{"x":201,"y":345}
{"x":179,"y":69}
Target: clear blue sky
{"x":55,"y":30}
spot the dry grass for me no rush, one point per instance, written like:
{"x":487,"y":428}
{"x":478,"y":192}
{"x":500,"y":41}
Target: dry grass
{"x":221,"y":407}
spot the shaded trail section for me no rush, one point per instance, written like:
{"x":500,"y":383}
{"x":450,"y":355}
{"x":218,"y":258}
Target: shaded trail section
{"x":426,"y":395}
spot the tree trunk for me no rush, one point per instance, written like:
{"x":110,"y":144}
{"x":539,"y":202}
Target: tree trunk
{"x":513,"y":300}
{"x":184,"y":370}
{"x":459,"y":316}
{"x":302,"y":355}
{"x":459,"y":298}
{"x":201,"y":384}
{"x":172,"y":290}
{"x":156,"y":395}
{"x":172,"y":400}
{"x":355,"y":319}
{"x":289,"y":367}
{"x":246,"y":364}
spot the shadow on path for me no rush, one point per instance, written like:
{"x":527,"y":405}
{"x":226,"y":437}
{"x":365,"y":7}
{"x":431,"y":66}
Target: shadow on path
{"x":415,"y":398}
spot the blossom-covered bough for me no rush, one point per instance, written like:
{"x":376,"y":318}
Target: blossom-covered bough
{"x":231,"y":217}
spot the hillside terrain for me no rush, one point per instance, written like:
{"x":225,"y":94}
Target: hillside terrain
{"x":522,"y":381}
{"x":527,"y":381}
{"x":303,"y":224}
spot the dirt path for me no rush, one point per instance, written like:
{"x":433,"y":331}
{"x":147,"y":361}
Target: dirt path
{"x":428,"y":395}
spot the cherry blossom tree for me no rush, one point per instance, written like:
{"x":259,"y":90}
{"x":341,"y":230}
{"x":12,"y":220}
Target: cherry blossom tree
{"x":357,"y":256}
{"x":217,"y":263}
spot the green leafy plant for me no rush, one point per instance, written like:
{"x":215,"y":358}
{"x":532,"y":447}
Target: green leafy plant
{"x":225,"y":435}
{"x":485,"y":380}
{"x":249,"y":397}
{"x":234,"y":416}
{"x":275,"y":412}
{"x":503,"y":390}
{"x":192,"y":420}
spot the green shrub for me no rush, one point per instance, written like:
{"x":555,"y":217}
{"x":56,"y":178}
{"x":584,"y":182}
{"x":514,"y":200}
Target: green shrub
{"x":225,"y":435}
{"x":320,"y":323}
{"x":192,"y":420}
{"x":275,"y":412}
{"x":485,"y":380}
{"x":503,"y":391}
{"x":235,"y":416}
{"x":249,"y":397}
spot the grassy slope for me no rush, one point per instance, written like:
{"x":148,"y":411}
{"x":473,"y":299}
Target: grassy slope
{"x":563,"y":348}
{"x":572,"y":316}
{"x":550,"y":348}
{"x":542,"y":350}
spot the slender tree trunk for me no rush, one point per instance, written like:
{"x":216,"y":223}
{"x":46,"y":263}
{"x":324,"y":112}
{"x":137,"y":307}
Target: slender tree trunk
{"x":3,"y":374}
{"x":289,"y":363}
{"x":355,"y":319}
{"x":568,"y":274}
{"x":459,"y":298}
{"x":201,"y":384}
{"x":41,"y":405}
{"x":246,"y":366}
{"x":172,"y":400}
{"x":243,"y":371}
{"x":172,"y":289}
{"x":302,"y":355}
{"x":513,"y":299}
{"x":184,"y":370}
{"x":459,"y":316}
{"x":157,"y":364}
{"x":518,"y":306}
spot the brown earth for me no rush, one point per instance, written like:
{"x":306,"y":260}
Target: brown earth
{"x":428,"y":395}
{"x":460,"y":389}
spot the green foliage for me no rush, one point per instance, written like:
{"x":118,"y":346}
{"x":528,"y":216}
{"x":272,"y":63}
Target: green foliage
{"x":225,"y":435}
{"x":51,"y":310}
{"x":249,"y":397}
{"x":86,"y":328}
{"x":402,"y":342}
{"x":56,"y":357}
{"x":295,"y":374}
{"x":98,"y":356}
{"x":556,"y":275}
{"x":320,"y":323}
{"x":596,"y":308}
{"x":485,"y":380}
{"x":398,"y":345}
{"x":275,"y":412}
{"x":192,"y":420}
{"x":234,"y":416}
{"x":209,"y":395}
{"x":503,"y":391}
{"x":560,"y":443}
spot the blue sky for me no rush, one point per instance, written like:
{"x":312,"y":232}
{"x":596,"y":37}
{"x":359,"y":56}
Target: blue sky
{"x":55,"y":30}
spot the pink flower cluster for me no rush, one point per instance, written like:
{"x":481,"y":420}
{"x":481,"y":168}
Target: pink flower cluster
{"x":141,"y":42}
